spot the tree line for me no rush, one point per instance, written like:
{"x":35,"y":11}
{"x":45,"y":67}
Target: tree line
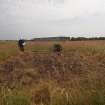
{"x":68,"y":38}
{"x":84,"y":38}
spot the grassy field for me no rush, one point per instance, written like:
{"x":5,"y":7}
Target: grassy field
{"x":10,"y":48}
{"x":40,"y":77}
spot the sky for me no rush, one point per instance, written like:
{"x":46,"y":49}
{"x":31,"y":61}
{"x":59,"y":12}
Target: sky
{"x":46,"y":18}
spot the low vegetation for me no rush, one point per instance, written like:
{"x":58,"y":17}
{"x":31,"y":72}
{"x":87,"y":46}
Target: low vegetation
{"x":39,"y":76}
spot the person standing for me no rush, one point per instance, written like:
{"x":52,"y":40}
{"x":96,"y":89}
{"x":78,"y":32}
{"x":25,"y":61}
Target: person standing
{"x":21,"y":44}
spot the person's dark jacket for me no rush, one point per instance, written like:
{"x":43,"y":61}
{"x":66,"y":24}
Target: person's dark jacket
{"x":21,"y":44}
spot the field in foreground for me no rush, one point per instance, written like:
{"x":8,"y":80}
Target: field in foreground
{"x":39,"y":76}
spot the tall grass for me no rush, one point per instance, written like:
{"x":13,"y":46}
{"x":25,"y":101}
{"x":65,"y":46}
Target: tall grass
{"x":85,"y":89}
{"x":9,"y":97}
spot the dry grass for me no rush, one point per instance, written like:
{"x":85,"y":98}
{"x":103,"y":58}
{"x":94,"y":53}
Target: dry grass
{"x":39,"y":77}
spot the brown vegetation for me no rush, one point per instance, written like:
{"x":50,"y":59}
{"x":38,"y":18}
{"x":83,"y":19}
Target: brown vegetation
{"x":75,"y":78}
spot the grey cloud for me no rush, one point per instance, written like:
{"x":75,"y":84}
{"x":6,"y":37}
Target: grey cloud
{"x":37,"y":18}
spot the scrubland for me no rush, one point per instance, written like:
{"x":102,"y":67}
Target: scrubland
{"x":40,"y":77}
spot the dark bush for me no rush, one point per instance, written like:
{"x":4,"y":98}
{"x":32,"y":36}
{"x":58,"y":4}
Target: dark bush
{"x":57,"y":48}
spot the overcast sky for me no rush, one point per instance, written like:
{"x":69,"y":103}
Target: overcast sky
{"x":40,"y":18}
